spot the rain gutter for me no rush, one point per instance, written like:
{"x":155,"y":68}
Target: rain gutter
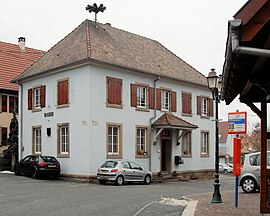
{"x":233,"y":46}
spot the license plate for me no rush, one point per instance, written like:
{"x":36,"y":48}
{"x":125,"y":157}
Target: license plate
{"x":104,"y":171}
{"x":51,"y":165}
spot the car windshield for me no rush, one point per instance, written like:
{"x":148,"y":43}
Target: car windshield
{"x":48,"y":159}
{"x":109,"y":164}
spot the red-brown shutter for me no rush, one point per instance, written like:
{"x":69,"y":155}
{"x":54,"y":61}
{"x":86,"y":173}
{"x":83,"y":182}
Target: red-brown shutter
{"x":11,"y":104}
{"x":43,"y":96}
{"x":199,"y":106}
{"x":211,"y":108}
{"x":158,"y":99}
{"x":186,"y":103}
{"x":4,"y":103}
{"x":117,"y":91}
{"x":4,"y":136}
{"x":133,"y":89}
{"x":30,"y":100}
{"x":173,"y":101}
{"x":114,"y":91}
{"x":62,"y":89}
{"x":151,"y":98}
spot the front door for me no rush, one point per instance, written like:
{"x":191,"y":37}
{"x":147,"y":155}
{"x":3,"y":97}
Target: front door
{"x":166,"y":153}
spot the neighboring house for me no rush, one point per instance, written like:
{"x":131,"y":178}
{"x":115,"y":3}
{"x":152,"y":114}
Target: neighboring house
{"x":104,"y":93}
{"x":226,"y":143}
{"x":13,"y":61}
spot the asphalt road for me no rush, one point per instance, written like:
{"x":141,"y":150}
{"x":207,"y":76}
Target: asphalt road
{"x":24,"y":196}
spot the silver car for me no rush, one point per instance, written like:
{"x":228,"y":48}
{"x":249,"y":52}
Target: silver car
{"x":250,"y":174}
{"x":123,"y":171}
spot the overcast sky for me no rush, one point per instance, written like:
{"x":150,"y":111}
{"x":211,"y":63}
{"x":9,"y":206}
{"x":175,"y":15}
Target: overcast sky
{"x":195,"y":30}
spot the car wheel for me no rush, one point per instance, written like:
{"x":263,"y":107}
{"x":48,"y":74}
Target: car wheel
{"x":119,"y":180}
{"x":17,"y":171}
{"x":249,"y":185}
{"x":147,"y":179}
{"x":102,"y":181}
{"x":35,"y":173}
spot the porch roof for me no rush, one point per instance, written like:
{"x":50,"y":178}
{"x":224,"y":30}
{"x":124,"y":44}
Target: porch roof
{"x":168,"y":120}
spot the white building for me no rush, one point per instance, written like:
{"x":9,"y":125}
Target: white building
{"x":104,"y":93}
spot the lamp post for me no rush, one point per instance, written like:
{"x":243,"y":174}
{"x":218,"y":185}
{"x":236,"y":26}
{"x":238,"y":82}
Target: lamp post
{"x":214,"y":85}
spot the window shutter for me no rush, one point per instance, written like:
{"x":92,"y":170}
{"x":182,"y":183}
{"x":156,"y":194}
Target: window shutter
{"x":11,"y":104}
{"x":199,"y":106}
{"x":186,"y":103}
{"x":4,"y":103}
{"x":4,"y":136}
{"x":158,"y":99}
{"x":211,"y":108}
{"x":62,"y":88}
{"x":151,"y":98}
{"x":43,"y":96}
{"x":114,"y":91}
{"x":30,"y":100}
{"x":133,"y":89}
{"x":173,"y":101}
{"x":118,"y":92}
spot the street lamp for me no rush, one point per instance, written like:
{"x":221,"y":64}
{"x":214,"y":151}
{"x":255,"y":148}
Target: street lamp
{"x":214,"y":84}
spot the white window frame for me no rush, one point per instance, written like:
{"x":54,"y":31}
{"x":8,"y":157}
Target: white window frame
{"x":141,"y":96}
{"x":165,"y":100}
{"x":204,"y":106}
{"x":64,"y":139}
{"x":141,"y":140}
{"x":115,"y":138}
{"x":37,"y":97}
{"x":37,"y":140}
{"x":204,"y":143}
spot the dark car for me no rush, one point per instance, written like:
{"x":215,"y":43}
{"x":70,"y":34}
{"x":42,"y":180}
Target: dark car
{"x":38,"y":165}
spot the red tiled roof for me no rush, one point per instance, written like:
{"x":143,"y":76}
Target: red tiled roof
{"x":168,"y":119}
{"x":13,"y":62}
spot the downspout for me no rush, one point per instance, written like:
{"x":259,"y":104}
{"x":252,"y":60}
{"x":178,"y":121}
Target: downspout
{"x":20,"y":145}
{"x":151,"y":119}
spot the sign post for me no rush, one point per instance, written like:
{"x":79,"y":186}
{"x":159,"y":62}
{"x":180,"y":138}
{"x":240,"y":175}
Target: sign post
{"x":237,"y":125}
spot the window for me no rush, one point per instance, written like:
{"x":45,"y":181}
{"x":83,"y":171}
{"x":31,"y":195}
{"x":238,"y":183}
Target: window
{"x":3,"y":136}
{"x":186,"y":144}
{"x":141,"y":141}
{"x":165,"y":100}
{"x":62,"y":92}
{"x":63,"y":140}
{"x":4,"y":103}
{"x":13,"y":104}
{"x":36,"y":97}
{"x":186,"y":103}
{"x":204,"y":106}
{"x":37,"y":140}
{"x":141,"y":97}
{"x":204,"y":143}
{"x":114,"y":140}
{"x":114,"y":92}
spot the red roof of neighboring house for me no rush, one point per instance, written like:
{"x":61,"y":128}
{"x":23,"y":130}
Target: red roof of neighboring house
{"x":13,"y":62}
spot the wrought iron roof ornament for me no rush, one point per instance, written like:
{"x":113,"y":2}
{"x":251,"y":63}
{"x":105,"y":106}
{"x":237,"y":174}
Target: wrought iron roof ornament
{"x":95,"y":9}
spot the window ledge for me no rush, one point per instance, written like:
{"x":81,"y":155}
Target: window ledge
{"x":187,"y":114}
{"x":186,"y":156}
{"x":204,"y":156}
{"x":62,"y":106}
{"x":63,"y":156}
{"x":142,"y":156}
{"x":205,"y":117}
{"x":142,"y":109}
{"x":114,"y":106}
{"x":36,"y":110}
{"x":114,"y":157}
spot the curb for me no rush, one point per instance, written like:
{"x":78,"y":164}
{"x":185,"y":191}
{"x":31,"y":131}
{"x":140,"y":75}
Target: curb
{"x":190,"y":209}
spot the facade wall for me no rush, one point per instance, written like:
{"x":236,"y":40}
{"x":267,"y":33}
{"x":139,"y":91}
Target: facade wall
{"x":88,"y":115}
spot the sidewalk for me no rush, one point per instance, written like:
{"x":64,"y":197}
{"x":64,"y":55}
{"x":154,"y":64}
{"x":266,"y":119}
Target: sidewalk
{"x":248,"y":204}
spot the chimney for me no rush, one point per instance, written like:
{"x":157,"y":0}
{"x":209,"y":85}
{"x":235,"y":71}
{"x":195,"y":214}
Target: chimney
{"x":21,"y":42}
